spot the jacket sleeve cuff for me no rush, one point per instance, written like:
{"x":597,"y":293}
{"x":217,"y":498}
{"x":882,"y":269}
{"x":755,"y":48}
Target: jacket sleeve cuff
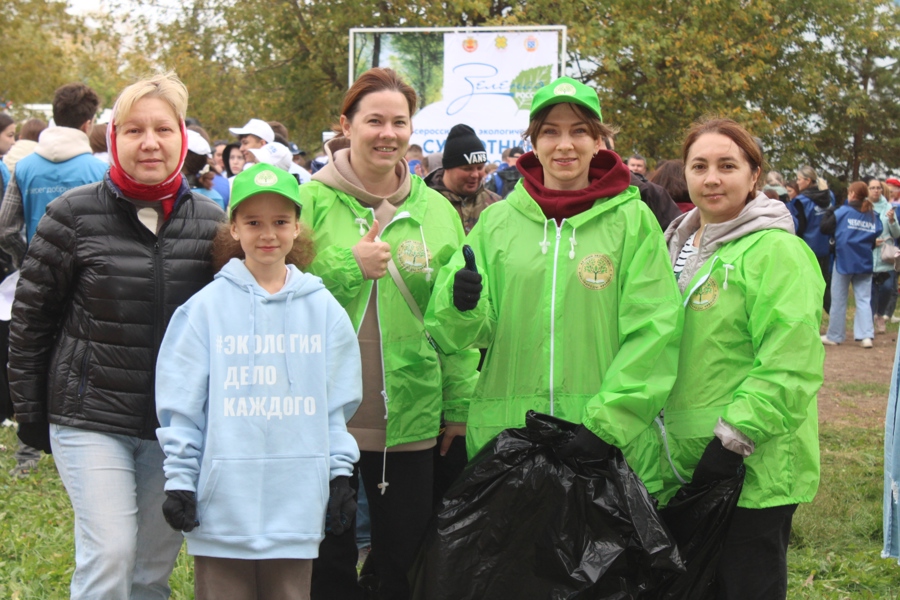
{"x":732,"y":438}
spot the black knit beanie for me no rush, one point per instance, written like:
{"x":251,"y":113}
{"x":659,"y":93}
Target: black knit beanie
{"x":463,"y":148}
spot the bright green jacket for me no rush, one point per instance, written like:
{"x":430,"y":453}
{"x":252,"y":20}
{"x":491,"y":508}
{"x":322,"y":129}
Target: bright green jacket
{"x":580,"y":321}
{"x":420,"y":385}
{"x":751,"y":354}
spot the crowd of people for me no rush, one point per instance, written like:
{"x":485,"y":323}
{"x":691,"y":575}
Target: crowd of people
{"x":232,"y":343}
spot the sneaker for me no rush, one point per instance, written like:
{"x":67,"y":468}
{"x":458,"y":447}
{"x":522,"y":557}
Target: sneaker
{"x":866,"y":343}
{"x":880,"y":326}
{"x":24,"y":468}
{"x":828,"y":342}
{"x":895,"y":319}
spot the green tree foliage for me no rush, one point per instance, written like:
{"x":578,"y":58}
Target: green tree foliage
{"x":816,"y":80}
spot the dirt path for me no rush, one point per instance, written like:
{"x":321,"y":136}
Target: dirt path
{"x":857,"y":382}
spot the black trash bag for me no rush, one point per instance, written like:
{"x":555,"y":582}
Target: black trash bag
{"x":698,"y":518}
{"x":522,"y":523}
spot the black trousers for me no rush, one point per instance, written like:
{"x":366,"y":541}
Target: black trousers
{"x":753,"y":563}
{"x":825,"y":265}
{"x":399,"y":519}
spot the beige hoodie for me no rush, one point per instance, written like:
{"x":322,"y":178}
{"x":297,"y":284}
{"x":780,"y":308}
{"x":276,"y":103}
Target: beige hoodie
{"x":368,"y":425}
{"x":760,"y":213}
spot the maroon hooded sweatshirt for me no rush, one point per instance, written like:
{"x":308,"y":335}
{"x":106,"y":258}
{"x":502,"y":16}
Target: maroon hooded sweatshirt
{"x":608,"y":177}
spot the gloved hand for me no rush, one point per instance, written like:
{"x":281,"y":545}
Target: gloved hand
{"x":341,"y":505}
{"x":180,"y":510}
{"x":36,"y":435}
{"x":584,"y":444}
{"x":467,"y":283}
{"x":717,"y":463}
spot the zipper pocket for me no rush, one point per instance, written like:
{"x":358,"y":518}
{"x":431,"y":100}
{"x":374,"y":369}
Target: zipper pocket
{"x":82,"y":384}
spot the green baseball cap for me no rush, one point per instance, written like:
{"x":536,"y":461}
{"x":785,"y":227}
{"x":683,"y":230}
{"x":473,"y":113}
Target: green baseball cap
{"x":261,"y":178}
{"x":566,"y":89}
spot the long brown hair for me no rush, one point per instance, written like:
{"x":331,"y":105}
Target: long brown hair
{"x":225,"y":247}
{"x":859,"y":191}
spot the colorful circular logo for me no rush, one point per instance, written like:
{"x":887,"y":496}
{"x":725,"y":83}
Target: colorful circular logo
{"x":706,"y":296}
{"x":412,"y":256}
{"x":265,"y":179}
{"x":531,"y":43}
{"x":470,"y":44}
{"x":596,"y":271}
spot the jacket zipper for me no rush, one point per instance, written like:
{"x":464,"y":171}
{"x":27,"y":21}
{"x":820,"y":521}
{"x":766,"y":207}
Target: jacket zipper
{"x":157,"y":329}
{"x":665,"y":440}
{"x":83,"y":383}
{"x":553,"y":314}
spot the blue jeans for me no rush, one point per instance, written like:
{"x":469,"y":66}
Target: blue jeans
{"x":882,"y":293}
{"x":124,"y":549}
{"x":863,"y":327}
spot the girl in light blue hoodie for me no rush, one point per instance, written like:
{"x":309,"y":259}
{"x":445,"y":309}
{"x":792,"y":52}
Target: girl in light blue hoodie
{"x":256,"y":379}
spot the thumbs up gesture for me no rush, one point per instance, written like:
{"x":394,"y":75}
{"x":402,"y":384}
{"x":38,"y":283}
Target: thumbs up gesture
{"x":467,"y":283}
{"x":372,"y":254}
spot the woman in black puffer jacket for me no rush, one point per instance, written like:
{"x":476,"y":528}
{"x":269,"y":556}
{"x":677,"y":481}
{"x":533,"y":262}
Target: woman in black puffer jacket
{"x":109,"y":264}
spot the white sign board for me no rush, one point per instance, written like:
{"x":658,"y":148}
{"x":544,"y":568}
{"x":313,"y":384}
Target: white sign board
{"x":489,"y":79}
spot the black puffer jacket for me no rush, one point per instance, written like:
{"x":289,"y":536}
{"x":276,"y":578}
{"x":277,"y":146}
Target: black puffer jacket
{"x":95,"y":294}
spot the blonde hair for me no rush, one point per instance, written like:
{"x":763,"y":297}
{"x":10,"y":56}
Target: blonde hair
{"x":165,"y":86}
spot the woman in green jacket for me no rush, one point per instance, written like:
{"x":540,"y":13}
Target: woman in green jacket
{"x":751,"y":360}
{"x":381,"y":236}
{"x":578,"y":310}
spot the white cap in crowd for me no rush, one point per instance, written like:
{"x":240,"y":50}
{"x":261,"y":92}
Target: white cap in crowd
{"x":197,"y":144}
{"x":274,"y":154}
{"x":256,"y":127}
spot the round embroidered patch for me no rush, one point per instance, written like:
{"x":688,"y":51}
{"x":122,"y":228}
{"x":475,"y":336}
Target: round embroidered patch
{"x":565,"y":89}
{"x":411,"y":256}
{"x":265,"y":179}
{"x":595,"y":271}
{"x":706,"y":296}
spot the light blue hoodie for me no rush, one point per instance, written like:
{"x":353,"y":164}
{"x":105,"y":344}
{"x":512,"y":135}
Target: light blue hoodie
{"x":253,"y":403}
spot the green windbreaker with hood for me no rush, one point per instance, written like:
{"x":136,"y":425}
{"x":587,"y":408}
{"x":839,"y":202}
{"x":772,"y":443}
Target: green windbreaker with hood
{"x":750,"y":352}
{"x":580,"y":321}
{"x":420,"y":384}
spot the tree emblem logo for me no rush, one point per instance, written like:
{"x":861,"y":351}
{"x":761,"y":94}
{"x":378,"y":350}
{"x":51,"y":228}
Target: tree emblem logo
{"x":706,"y":296}
{"x":564,"y":89}
{"x":596,"y":271}
{"x":265,"y":179}
{"x":412,"y":255}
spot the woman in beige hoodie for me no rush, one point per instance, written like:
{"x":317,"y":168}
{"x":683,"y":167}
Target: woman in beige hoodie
{"x":25,"y":145}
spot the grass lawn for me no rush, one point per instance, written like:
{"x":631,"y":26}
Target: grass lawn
{"x":835,"y":544}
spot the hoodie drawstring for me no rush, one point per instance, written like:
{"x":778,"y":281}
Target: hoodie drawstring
{"x":384,"y":484}
{"x":572,"y":244}
{"x":287,"y":329}
{"x":727,"y":269}
{"x":252,"y":325}
{"x":545,"y":244}
{"x":362,"y":226}
{"x":428,"y":270}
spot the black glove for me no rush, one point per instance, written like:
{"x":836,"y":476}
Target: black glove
{"x":717,"y":463}
{"x":36,"y":435}
{"x":341,"y":505}
{"x":584,"y":444}
{"x":467,"y":283}
{"x":180,"y":510}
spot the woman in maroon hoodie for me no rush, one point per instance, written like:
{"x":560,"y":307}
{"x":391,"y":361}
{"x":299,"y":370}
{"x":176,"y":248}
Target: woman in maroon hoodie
{"x":579,"y":308}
